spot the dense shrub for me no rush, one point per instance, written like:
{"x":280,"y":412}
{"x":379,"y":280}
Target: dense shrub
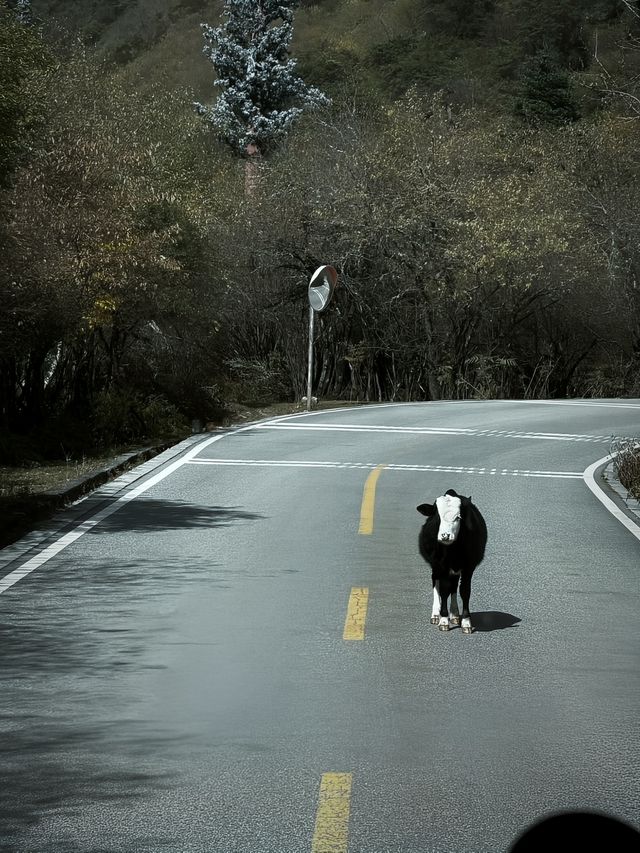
{"x":122,"y":416}
{"x":627,"y":464}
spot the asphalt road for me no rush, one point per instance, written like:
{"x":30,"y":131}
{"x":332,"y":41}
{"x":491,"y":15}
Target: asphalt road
{"x":175,"y":674}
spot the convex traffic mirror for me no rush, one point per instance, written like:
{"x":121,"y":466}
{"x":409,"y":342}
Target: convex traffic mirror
{"x":321,"y":287}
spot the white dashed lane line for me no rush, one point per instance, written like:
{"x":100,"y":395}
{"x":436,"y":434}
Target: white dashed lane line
{"x":483,"y":433}
{"x":365,"y":466}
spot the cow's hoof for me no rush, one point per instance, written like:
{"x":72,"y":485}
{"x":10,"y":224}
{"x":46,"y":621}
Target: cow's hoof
{"x":467,"y":629}
{"x":443,"y":626}
{"x":435,"y":620}
{"x":455,"y":620}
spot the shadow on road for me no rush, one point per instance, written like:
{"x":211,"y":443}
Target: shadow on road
{"x":149,"y":514}
{"x":55,"y":799}
{"x":493,"y":620}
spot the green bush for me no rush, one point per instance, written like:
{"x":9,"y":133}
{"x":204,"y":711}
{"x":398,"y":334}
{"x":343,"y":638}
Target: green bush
{"x":122,"y":416}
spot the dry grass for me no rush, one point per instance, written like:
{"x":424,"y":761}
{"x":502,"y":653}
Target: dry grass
{"x":41,"y":478}
{"x":627,"y":464}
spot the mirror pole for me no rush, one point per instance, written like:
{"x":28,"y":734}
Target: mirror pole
{"x":310,"y":359}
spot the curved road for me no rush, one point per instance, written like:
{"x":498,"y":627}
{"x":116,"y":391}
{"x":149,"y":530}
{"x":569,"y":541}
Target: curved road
{"x":230,"y":651}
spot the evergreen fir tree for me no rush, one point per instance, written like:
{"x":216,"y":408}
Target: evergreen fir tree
{"x":261,"y":95}
{"x":546,"y":92}
{"x":22,"y":8}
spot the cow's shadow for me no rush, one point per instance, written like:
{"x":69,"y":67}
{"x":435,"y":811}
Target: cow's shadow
{"x":493,"y":620}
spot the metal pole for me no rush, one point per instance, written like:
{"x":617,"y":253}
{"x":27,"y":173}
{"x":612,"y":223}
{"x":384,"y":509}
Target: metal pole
{"x":310,"y":360}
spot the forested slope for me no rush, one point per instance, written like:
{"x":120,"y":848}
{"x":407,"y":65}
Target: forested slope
{"x":474,"y":181}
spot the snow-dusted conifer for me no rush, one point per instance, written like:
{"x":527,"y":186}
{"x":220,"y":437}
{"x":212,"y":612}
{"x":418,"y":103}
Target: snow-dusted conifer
{"x":22,"y":8}
{"x":261,"y":96}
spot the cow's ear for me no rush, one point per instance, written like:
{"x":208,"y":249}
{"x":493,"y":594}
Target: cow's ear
{"x":426,"y":509}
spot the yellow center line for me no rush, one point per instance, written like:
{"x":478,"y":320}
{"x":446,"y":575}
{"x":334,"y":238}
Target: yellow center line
{"x":356,"y":614}
{"x":332,"y":819}
{"x":369,"y":501}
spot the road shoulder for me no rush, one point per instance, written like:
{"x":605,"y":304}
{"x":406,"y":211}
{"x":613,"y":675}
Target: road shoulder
{"x":601,"y":479}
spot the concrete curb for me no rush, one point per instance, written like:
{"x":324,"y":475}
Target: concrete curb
{"x":75,"y":489}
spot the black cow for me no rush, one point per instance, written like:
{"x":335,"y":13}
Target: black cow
{"x":452,"y":540}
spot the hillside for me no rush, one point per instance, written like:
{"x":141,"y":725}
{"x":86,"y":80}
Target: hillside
{"x":474,"y":181}
{"x":474,"y":50}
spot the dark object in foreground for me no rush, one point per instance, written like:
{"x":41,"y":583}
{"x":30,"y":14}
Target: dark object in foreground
{"x":579,"y":831}
{"x":452,"y":540}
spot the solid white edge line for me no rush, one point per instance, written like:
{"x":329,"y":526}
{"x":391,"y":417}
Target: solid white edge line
{"x":589,"y":478}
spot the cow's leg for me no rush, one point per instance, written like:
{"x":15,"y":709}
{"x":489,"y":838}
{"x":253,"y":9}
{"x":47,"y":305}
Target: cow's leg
{"x":435,"y":610}
{"x":465,"y":594}
{"x":453,"y":606}
{"x":444,"y":589}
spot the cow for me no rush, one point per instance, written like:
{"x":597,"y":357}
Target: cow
{"x":452,"y":540}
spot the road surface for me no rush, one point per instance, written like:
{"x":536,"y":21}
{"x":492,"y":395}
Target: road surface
{"x":230,"y":652}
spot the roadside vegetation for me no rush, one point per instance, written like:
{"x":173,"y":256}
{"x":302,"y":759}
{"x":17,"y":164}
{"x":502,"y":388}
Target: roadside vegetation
{"x":627,"y":464}
{"x":474,"y":180}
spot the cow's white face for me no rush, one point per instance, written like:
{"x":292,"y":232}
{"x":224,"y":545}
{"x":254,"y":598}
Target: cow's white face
{"x":449,"y":512}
